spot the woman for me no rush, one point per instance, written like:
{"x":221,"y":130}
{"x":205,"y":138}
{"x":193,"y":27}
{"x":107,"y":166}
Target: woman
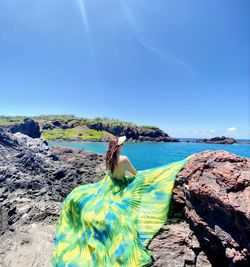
{"x":111,"y":222}
{"x":116,"y":163}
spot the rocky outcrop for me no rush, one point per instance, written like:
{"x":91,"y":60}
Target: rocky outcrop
{"x":33,"y":183}
{"x":176,"y":245}
{"x":134,"y":133}
{"x":33,"y":180}
{"x":214,"y":188}
{"x":28,"y":127}
{"x":61,"y":124}
{"x":217,"y":140}
{"x":208,"y":222}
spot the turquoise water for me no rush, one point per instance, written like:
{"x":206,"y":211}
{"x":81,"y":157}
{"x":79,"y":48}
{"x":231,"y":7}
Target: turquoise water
{"x":149,"y":155}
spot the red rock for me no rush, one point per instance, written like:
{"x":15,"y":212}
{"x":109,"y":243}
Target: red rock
{"x":215,"y":188}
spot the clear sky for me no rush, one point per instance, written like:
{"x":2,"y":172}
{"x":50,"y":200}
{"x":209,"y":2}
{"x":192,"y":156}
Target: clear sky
{"x":182,"y":65}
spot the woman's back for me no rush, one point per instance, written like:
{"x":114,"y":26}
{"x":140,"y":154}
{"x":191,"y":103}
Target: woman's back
{"x":123,"y":163}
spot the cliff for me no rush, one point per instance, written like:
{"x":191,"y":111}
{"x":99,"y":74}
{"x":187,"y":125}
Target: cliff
{"x":83,"y":129}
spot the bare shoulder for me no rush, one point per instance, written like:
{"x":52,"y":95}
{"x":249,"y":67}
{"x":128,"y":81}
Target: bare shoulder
{"x":123,"y":158}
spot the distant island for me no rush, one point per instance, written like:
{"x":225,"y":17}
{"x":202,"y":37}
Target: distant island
{"x":99,"y":129}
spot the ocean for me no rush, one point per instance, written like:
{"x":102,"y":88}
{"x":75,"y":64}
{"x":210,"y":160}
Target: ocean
{"x":150,"y":154}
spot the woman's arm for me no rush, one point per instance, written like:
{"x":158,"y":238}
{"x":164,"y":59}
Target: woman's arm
{"x":129,"y":166}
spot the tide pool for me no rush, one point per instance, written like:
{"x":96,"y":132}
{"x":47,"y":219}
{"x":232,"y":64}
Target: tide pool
{"x":149,"y":155}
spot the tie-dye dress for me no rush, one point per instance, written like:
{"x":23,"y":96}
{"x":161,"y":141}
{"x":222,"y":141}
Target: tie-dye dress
{"x":110,"y":223}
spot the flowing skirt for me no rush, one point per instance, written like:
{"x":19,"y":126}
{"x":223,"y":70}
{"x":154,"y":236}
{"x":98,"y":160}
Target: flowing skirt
{"x":110,"y":223}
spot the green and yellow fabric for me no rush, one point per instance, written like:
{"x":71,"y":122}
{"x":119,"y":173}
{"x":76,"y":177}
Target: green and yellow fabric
{"x":110,"y":223}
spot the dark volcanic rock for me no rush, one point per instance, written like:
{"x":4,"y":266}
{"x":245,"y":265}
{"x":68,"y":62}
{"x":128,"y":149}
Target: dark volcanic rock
{"x":28,"y":127}
{"x":6,"y":141}
{"x":154,"y":133}
{"x":134,"y":133}
{"x":215,"y":188}
{"x":30,"y":174}
{"x":217,"y":140}
{"x":63,"y":124}
{"x":211,"y":193}
{"x":33,"y":184}
{"x":85,"y":163}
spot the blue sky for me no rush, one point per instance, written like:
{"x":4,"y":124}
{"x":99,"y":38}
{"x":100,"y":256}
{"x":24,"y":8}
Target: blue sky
{"x":181,"y":65}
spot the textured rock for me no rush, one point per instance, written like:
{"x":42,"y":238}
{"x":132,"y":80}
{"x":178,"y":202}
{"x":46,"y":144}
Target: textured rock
{"x":60,"y":124}
{"x":134,"y":133}
{"x":28,"y":127}
{"x":211,"y":193}
{"x":33,"y":181}
{"x":30,"y":246}
{"x":33,"y":184}
{"x":215,"y":188}
{"x":176,"y":245}
{"x":217,"y":140}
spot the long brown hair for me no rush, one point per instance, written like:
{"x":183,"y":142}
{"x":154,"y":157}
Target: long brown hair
{"x":111,"y":154}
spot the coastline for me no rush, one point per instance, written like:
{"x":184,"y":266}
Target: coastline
{"x":72,"y":129}
{"x":143,"y":141}
{"x":36,"y":180}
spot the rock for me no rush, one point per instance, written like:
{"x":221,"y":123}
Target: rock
{"x":152,"y":133}
{"x":5,"y":141}
{"x":217,"y":140}
{"x":31,"y":174}
{"x":132,"y":132}
{"x":215,"y":189}
{"x":33,"y":184}
{"x":28,"y":127}
{"x":175,"y":245}
{"x":28,"y":246}
{"x":141,"y":134}
{"x":208,"y":222}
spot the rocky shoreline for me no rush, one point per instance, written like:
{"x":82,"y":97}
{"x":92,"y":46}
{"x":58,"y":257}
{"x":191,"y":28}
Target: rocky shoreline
{"x":208,"y":222}
{"x":216,"y":140}
{"x":55,"y":131}
{"x":136,"y":141}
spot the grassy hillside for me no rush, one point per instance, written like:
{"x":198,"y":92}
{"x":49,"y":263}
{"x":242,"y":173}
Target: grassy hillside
{"x":72,"y":127}
{"x":79,"y":132}
{"x":49,"y":119}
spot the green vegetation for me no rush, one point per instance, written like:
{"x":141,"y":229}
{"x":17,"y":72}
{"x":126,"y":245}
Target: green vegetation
{"x":79,"y":132}
{"x":145,"y":127}
{"x":112,"y":122}
{"x":48,"y":119}
{"x":115,"y":122}
{"x":73,"y":132}
{"x":7,"y":120}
